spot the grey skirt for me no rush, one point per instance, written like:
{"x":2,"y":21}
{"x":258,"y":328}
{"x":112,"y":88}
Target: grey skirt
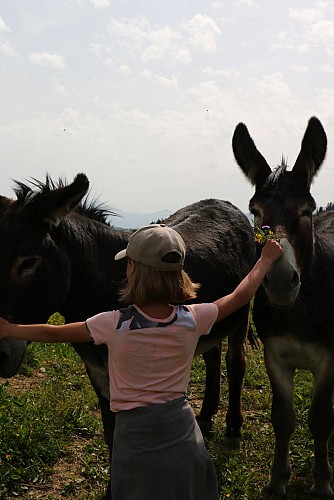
{"x":159,"y":454}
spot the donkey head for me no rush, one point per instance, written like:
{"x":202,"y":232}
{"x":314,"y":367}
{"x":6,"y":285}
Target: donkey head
{"x":35,"y":272}
{"x":282,"y":201}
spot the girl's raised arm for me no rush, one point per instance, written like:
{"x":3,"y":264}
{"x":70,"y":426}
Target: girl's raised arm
{"x":246,"y":290}
{"x":72,"y":332}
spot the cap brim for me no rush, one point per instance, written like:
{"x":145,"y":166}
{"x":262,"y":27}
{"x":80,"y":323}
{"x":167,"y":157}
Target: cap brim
{"x":120,"y":255}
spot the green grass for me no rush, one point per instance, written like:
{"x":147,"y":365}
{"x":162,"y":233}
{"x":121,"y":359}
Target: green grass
{"x":39,"y":424}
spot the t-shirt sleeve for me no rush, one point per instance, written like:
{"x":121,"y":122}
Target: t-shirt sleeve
{"x":102,"y":326}
{"x":205,"y":316}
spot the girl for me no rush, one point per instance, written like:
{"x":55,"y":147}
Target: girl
{"x":158,"y":451}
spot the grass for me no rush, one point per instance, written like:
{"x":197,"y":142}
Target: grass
{"x":39,"y":423}
{"x":53,"y":426}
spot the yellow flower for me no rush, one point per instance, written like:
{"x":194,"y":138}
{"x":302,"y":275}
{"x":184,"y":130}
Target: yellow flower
{"x":7,"y":456}
{"x":263,"y":234}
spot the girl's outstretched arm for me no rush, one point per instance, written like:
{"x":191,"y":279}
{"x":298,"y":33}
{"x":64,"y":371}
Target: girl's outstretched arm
{"x":246,"y":290}
{"x":72,"y":332}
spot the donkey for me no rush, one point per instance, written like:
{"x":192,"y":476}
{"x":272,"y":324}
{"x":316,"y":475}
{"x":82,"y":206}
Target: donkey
{"x":56,"y":255}
{"x":293,"y":310}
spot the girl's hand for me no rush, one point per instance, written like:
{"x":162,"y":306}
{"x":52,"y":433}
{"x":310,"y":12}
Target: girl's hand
{"x":272,"y":250}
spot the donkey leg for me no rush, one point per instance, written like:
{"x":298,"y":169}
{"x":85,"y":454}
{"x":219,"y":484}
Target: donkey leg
{"x":236,"y":366}
{"x":283,"y":419}
{"x":108,"y":420}
{"x":321,"y":429}
{"x":96,"y":364}
{"x":212,"y":359}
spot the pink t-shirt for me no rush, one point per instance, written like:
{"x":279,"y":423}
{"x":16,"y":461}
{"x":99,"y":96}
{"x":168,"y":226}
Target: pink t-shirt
{"x":150,"y":359}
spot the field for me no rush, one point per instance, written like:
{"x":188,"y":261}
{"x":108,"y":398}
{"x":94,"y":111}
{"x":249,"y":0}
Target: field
{"x":51,"y":434}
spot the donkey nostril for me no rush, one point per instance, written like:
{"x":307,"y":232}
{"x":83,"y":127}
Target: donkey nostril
{"x":295,"y":279}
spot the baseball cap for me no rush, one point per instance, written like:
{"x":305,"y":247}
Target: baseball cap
{"x":150,"y":244}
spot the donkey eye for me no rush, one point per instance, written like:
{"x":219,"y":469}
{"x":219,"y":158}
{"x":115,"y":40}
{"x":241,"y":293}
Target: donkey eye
{"x":255,"y":212}
{"x":27,"y":265}
{"x":306,"y":213}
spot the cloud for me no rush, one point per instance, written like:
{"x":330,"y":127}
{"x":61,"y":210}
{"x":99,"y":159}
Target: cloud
{"x":227,"y":72}
{"x":217,"y":5}
{"x":147,"y":43}
{"x":3,"y":26}
{"x":305,"y":15}
{"x":46,"y":59}
{"x":322,"y":31}
{"x":302,"y":48}
{"x":100,"y":4}
{"x":167,"y":82}
{"x":247,"y":3}
{"x":7,"y":50}
{"x":202,"y":31}
{"x":124,"y":69}
{"x":327,"y":69}
{"x":273,"y":86}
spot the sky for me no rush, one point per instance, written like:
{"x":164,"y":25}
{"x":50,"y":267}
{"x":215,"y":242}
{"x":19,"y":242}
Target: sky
{"x":144,"y":96}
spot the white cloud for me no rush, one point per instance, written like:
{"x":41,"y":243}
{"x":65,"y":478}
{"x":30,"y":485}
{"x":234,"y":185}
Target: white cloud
{"x":227,"y":72}
{"x":60,"y":88}
{"x":3,"y":26}
{"x":202,"y":31}
{"x":96,"y":49}
{"x":167,"y":82}
{"x":183,"y":56}
{"x":322,"y":31}
{"x":162,"y":41}
{"x":55,"y":61}
{"x":248,"y":3}
{"x":100,"y":4}
{"x":7,"y":50}
{"x":302,"y":48}
{"x":217,"y":5}
{"x":273,"y":85}
{"x":124,"y":69}
{"x":146,"y":74}
{"x":305,"y":15}
{"x":327,"y":68}
{"x":297,"y":68}
{"x":147,"y":42}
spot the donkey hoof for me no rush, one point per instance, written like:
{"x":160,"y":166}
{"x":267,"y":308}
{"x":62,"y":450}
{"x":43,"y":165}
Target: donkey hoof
{"x":205,"y":425}
{"x":232,"y":439}
{"x":269,"y":494}
{"x":233,"y":442}
{"x":328,"y":495}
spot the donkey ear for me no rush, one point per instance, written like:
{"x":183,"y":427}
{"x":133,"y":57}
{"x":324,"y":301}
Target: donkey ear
{"x":252,"y":163}
{"x":54,"y":205}
{"x":312,"y":153}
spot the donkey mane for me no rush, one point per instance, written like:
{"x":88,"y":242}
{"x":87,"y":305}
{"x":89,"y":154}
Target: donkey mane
{"x":277,"y":173}
{"x":90,"y":208}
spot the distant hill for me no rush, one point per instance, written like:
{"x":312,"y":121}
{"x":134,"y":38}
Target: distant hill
{"x":133,"y":220}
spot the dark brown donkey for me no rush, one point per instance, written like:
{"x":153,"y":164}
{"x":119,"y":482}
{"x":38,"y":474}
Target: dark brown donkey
{"x":293,"y":310}
{"x":56,"y":257}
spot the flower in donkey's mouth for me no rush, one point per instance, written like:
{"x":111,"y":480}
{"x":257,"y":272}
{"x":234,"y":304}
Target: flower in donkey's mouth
{"x":263,"y":234}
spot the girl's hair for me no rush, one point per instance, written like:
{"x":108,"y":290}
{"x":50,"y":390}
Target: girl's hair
{"x":147,"y":285}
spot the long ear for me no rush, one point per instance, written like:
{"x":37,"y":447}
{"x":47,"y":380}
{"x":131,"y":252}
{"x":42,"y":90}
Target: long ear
{"x":312,"y":153}
{"x":54,"y":205}
{"x":252,"y":163}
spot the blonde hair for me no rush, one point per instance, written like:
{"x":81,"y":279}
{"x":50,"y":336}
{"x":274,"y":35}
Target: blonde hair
{"x":147,"y":285}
